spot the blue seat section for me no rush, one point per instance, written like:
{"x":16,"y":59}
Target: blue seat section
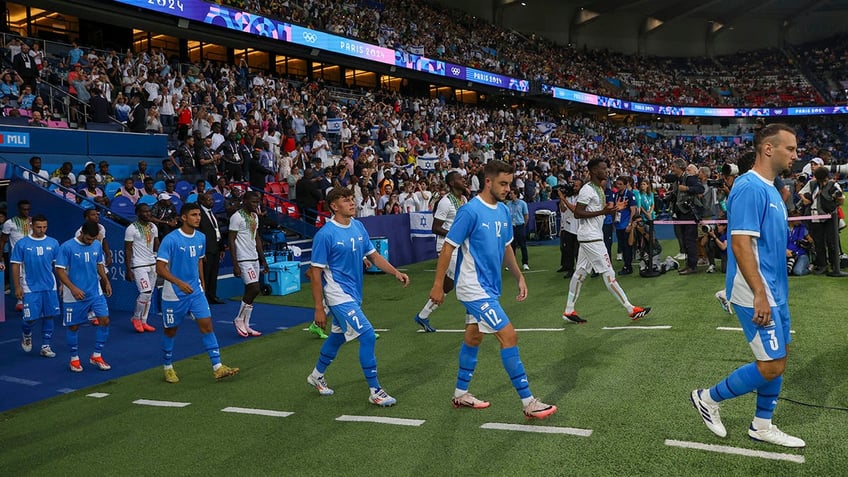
{"x":192,"y":198}
{"x":147,"y":199}
{"x":218,"y":203}
{"x":111,"y":189}
{"x":123,"y":207}
{"x":183,"y":188}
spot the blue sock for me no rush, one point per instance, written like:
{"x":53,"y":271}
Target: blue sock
{"x":328,"y":351}
{"x":742,"y":381}
{"x":73,"y":341}
{"x":515,"y":369}
{"x":26,"y":327}
{"x":210,"y":342}
{"x":47,"y":327}
{"x":767,"y":397}
{"x":367,"y":359}
{"x":168,"y":348}
{"x":467,"y":365}
{"x":100,"y":336}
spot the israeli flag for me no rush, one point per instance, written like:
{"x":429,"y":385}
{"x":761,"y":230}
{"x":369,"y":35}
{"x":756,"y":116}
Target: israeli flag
{"x":545,"y":127}
{"x":426,"y":163}
{"x":421,"y":224}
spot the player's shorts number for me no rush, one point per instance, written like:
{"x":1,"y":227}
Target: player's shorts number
{"x":251,"y":274}
{"x":26,"y":312}
{"x":144,"y":284}
{"x":773,"y":344}
{"x":169,"y":317}
{"x":491,"y":316}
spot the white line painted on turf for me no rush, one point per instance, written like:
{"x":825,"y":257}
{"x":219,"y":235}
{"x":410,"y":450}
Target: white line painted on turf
{"x":527,"y":272}
{"x":284,"y":328}
{"x":150,"y":402}
{"x":65,"y":390}
{"x":540,"y":429}
{"x":440,"y":330}
{"x":258,"y":412}
{"x":25,"y":382}
{"x":798,"y":459}
{"x":97,"y":395}
{"x":11,"y":341}
{"x":660,"y":327}
{"x":728,"y":328}
{"x":382,"y":420}
{"x":378,"y":330}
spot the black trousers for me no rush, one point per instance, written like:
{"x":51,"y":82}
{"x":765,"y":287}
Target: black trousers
{"x":608,"y":230}
{"x":714,"y":252}
{"x":622,"y":235}
{"x":568,"y":248}
{"x":824,"y":238}
{"x":210,"y":275}
{"x":689,"y":234}
{"x":519,"y":239}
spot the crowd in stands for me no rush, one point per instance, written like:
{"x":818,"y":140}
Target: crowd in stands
{"x":828,"y":60}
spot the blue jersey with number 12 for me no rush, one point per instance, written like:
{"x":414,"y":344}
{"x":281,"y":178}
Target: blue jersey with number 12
{"x":339,"y":250}
{"x":182,"y":253}
{"x":481,"y":231}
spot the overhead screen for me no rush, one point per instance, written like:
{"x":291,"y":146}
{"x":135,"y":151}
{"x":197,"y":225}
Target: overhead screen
{"x":209,"y":13}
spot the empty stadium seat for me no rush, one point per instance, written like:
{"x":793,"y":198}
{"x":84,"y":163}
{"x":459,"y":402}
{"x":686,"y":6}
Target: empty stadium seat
{"x":123,"y":207}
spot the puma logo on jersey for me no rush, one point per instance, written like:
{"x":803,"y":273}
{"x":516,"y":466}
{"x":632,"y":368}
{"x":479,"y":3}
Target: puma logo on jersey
{"x":485,"y":224}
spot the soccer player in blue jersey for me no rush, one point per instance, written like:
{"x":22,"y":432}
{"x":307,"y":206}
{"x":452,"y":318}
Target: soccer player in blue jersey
{"x":336,"y":274}
{"x":180,"y":264}
{"x":81,"y":268}
{"x":757,"y":286}
{"x":35,"y":284}
{"x":483,"y":232}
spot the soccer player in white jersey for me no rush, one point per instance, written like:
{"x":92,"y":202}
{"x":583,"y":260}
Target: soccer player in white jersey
{"x":758,"y":288}
{"x":336,"y":275}
{"x":248,"y":259}
{"x":590,"y":211}
{"x":15,"y":229}
{"x":443,"y":217}
{"x":35,"y":284}
{"x":81,"y":267}
{"x":180,"y":264}
{"x":483,"y":232}
{"x":141,"y":241}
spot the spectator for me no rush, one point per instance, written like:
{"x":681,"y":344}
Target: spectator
{"x":141,"y":173}
{"x":168,"y":172}
{"x":91,"y":191}
{"x":10,"y":87}
{"x":65,"y":191}
{"x":122,"y":109}
{"x":137,"y":116}
{"x":101,"y":108}
{"x":65,"y":170}
{"x":88,"y":171}
{"x":105,"y":176}
{"x":38,"y":175}
{"x":24,"y":65}
{"x":519,"y":214}
{"x":148,"y":187}
{"x":154,"y":125}
{"x":798,"y":248}
{"x":129,"y":191}
{"x":36,"y":120}
{"x":164,"y":214}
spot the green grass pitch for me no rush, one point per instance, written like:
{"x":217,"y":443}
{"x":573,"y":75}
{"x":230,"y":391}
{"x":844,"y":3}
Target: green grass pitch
{"x":630,"y":387}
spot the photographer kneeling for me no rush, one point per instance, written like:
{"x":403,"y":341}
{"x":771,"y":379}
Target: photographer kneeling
{"x":715,"y":243}
{"x":824,"y":196}
{"x":798,"y":247}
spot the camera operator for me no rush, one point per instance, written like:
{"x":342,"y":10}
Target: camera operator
{"x":687,"y":206}
{"x":567,"y":195}
{"x":798,"y":248}
{"x":824,"y":196}
{"x":715,"y":243}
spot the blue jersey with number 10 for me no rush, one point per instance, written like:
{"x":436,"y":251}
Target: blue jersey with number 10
{"x":339,"y":250}
{"x":481,"y":231}
{"x":182,"y":253}
{"x":36,"y":257}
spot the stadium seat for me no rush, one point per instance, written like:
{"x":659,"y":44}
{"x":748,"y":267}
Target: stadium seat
{"x":111,"y":189}
{"x":123,"y":207}
{"x":159,"y":185}
{"x":183,"y":188}
{"x":147,"y":199}
{"x":192,"y":198}
{"x":218,"y":203}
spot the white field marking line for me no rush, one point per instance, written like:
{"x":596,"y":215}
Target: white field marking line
{"x":527,"y":272}
{"x":798,"y":459}
{"x":440,"y":330}
{"x":10,"y":341}
{"x":659,"y":327}
{"x":65,"y":390}
{"x":378,"y":330}
{"x":258,"y":412}
{"x":728,"y":328}
{"x":97,"y":395}
{"x":284,"y":328}
{"x":25,"y":382}
{"x":382,"y":420}
{"x":150,"y":402}
{"x":540,"y":429}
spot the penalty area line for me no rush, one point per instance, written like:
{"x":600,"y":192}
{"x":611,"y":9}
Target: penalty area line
{"x":517,"y":329}
{"x":538,"y":429}
{"x":659,"y":327}
{"x":382,"y":420}
{"x":730,"y":328}
{"x":151,"y":402}
{"x":798,"y":459}
{"x":258,"y":412}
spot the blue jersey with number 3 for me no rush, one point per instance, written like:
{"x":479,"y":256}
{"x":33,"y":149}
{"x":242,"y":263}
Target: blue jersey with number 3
{"x":182,"y":253}
{"x":481,"y":231}
{"x":339,"y":250}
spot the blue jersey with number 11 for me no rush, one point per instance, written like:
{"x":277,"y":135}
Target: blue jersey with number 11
{"x":80,"y":261}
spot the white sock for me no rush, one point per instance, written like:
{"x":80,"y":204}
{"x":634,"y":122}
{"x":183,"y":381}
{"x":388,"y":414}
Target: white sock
{"x":247,"y":310}
{"x":527,"y":400}
{"x":459,"y":392}
{"x":315,"y":374}
{"x":239,"y":316}
{"x":374,"y":390}
{"x":168,"y":366}
{"x":95,"y":354}
{"x":707,"y":398}
{"x":574,"y":290}
{"x":216,"y":367}
{"x":761,"y":424}
{"x":430,"y":307}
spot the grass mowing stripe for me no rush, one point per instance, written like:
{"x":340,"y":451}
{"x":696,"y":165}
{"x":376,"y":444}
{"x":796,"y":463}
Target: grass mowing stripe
{"x":258,"y":412}
{"x":729,"y":328}
{"x":538,"y":429}
{"x":151,"y":402}
{"x":381,"y":420}
{"x":440,"y":330}
{"x":659,"y":327}
{"x":97,"y":395}
{"x":25,"y":382}
{"x":798,"y":459}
